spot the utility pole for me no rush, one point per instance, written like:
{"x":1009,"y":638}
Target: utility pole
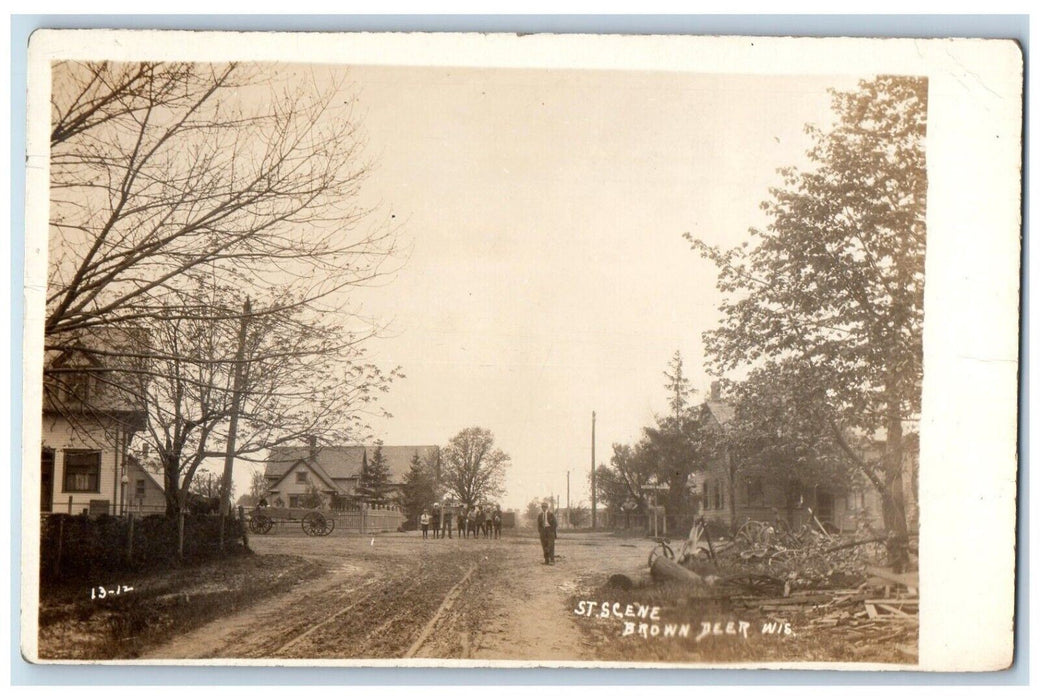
{"x":569,"y":496}
{"x":593,"y":470}
{"x":238,"y":381}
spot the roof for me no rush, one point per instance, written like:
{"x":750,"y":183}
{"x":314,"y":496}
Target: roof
{"x":103,"y":356}
{"x":343,"y":462}
{"x":722,"y":411}
{"x":310,"y":465}
{"x":135,"y":464}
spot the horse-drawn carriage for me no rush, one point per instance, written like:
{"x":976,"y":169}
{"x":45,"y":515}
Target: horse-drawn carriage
{"x":315,"y":523}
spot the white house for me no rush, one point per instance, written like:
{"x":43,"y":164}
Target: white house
{"x":88,"y":422}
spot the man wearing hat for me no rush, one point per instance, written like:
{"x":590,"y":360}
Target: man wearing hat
{"x":547,"y":533}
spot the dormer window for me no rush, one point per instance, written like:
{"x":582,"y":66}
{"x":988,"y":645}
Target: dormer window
{"x":77,"y":387}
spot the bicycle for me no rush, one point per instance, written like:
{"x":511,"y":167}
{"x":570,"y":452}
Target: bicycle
{"x":690,"y":546}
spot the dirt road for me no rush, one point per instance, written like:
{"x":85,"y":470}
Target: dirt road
{"x":395,"y":595}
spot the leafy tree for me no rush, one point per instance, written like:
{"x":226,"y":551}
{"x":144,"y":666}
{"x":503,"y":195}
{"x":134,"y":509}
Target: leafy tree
{"x":419,"y":489}
{"x":612,"y":491}
{"x":374,"y":481}
{"x":534,"y":507}
{"x":833,"y":288}
{"x":258,"y":485}
{"x":578,"y":514}
{"x":472,"y":467}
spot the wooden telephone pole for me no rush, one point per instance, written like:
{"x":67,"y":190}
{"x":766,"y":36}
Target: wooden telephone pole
{"x":593,"y":470}
{"x":569,"y":498}
{"x":239,"y":379}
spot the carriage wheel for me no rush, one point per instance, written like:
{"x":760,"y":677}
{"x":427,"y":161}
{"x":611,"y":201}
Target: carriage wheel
{"x":314,"y":524}
{"x":260,"y":524}
{"x":752,"y":533}
{"x":330,"y":525}
{"x":660,"y":550}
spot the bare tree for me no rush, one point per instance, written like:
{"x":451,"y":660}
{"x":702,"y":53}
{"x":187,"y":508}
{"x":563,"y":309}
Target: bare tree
{"x":178,"y":190}
{"x":298,"y":378}
{"x":163,"y":170}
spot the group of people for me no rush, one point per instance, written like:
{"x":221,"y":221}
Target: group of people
{"x":478,"y":521}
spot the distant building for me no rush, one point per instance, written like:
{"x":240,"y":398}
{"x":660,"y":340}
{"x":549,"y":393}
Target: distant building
{"x":144,"y":489}
{"x":729,"y":497}
{"x":292,"y":471}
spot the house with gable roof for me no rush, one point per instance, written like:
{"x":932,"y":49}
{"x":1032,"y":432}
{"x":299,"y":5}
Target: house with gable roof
{"x":728,"y":495}
{"x":291,"y":471}
{"x":90,"y":415}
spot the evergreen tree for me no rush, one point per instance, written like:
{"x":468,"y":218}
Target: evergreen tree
{"x":678,"y":387}
{"x":419,"y":490}
{"x":374,"y":482}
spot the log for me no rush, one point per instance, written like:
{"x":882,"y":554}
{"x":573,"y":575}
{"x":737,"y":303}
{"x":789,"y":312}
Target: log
{"x":665,"y":569}
{"x":910,"y":580}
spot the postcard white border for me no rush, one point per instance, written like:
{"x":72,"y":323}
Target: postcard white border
{"x":969,"y":425}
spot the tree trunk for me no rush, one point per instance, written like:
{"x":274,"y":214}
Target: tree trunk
{"x":893,"y":503}
{"x":171,"y":470}
{"x":731,"y":493}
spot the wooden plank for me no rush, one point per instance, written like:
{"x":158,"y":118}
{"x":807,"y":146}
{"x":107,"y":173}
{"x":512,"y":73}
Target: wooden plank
{"x":893,"y":609}
{"x":871,"y":611}
{"x":910,"y":580}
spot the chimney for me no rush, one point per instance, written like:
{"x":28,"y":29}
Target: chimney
{"x":312,"y":443}
{"x":716,"y":390}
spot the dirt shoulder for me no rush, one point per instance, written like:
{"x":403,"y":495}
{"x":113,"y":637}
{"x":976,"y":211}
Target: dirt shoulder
{"x":160,"y":605}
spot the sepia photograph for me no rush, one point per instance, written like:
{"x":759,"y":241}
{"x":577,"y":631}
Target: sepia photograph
{"x":480,"y":361}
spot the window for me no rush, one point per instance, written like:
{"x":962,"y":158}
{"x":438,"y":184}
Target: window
{"x":755,"y":491}
{"x":77,"y":387}
{"x":82,"y":472}
{"x":294,"y":500}
{"x":139,"y":492}
{"x":301,"y":477}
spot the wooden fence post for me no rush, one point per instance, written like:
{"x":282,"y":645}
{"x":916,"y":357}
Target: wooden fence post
{"x":61,"y":539}
{"x":180,"y":534}
{"x":130,"y":538}
{"x":70,"y":505}
{"x":242,"y":524}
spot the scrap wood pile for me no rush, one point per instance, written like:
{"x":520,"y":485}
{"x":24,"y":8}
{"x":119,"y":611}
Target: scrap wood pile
{"x":770,"y":560}
{"x":884,"y":608}
{"x":804,"y":559}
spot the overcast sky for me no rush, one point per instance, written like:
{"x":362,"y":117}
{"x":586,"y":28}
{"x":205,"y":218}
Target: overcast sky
{"x":547,"y":275}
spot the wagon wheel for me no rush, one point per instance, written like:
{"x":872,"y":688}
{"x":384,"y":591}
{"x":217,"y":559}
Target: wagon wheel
{"x":314,"y":524}
{"x":660,"y":550}
{"x":330,"y":525}
{"x":753,"y":533}
{"x":260,"y":524}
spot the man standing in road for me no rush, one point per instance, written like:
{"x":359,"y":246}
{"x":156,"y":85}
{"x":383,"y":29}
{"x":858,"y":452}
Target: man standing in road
{"x":547,"y":533}
{"x":446,"y":520}
{"x":461,"y":521}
